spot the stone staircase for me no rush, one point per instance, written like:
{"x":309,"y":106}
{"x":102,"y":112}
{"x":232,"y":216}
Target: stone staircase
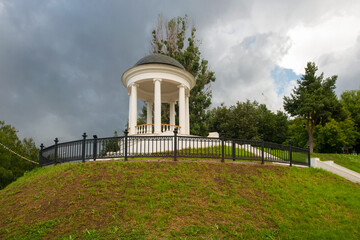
{"x":336,"y":169}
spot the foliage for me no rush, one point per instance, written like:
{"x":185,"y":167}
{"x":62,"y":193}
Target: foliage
{"x":179,"y":200}
{"x":297,"y":133}
{"x":248,"y":120}
{"x":112,"y":145}
{"x":332,"y":136}
{"x":143,"y":115}
{"x":336,"y":137}
{"x":351,"y":102}
{"x":274,"y":127}
{"x":11,"y":166}
{"x":174,"y":38}
{"x":314,"y":99}
{"x":165,"y":114}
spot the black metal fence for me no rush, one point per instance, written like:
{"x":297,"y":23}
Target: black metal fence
{"x":173,"y":147}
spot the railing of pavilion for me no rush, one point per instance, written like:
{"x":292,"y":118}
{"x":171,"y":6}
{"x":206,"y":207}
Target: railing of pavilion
{"x":149,"y":128}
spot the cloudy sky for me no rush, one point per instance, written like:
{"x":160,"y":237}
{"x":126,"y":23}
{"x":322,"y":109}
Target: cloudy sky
{"x":61,"y":61}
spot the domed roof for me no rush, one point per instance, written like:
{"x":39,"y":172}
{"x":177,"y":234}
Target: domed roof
{"x":159,"y":59}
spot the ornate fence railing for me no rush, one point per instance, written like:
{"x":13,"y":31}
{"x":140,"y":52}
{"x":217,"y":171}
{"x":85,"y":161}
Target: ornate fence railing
{"x":174,"y":147}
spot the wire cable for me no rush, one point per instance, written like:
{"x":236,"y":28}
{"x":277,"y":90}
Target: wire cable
{"x":17,"y":154}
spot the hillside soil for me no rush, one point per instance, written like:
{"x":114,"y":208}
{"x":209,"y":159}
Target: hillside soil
{"x":192,"y":200}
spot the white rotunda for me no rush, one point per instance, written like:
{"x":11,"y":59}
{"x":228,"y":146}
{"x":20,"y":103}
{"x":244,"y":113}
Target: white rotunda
{"x":157,"y":79}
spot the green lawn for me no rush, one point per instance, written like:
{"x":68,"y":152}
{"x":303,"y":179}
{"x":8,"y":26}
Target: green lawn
{"x":216,"y":151}
{"x":346,"y":160}
{"x":206,"y":153}
{"x":179,"y":200}
{"x":239,"y":152}
{"x":296,"y":156}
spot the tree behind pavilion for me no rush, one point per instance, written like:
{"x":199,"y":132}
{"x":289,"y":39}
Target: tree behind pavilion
{"x":169,"y":38}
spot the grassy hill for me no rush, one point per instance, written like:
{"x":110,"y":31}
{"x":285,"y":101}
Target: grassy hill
{"x":182,"y":200}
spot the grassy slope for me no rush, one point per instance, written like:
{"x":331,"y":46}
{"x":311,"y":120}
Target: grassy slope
{"x":346,"y":160}
{"x":144,"y":200}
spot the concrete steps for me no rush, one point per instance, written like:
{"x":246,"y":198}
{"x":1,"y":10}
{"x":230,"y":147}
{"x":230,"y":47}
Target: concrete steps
{"x":336,"y":169}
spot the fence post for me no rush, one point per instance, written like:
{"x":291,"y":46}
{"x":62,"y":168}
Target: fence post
{"x":40,"y":155}
{"x":222,"y":146}
{"x":126,"y":132}
{"x":233,"y":150}
{"x":262,"y":148}
{"x":175,"y":142}
{"x":56,"y":150}
{"x":290,"y":152}
{"x":309,"y":162}
{"x":83,"y":147}
{"x":95,"y":147}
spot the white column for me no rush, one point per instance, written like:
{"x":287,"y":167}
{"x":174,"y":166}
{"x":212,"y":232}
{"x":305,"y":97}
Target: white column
{"x":157,"y":105}
{"x":149,"y":116}
{"x":187,"y":120}
{"x":172,"y":113}
{"x":182,"y":114}
{"x":133,"y":108}
{"x":130,"y":107}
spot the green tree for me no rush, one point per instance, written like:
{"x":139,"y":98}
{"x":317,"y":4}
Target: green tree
{"x":336,"y":136}
{"x":313,"y":99}
{"x":174,"y":38}
{"x":274,"y":127}
{"x":238,"y":121}
{"x":248,"y":120}
{"x":351,"y":102}
{"x":244,"y":120}
{"x":220,"y":120}
{"x":12,"y":166}
{"x":297,"y":133}
{"x":112,"y":145}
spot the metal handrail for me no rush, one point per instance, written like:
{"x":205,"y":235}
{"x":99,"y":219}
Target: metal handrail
{"x":172,"y":146}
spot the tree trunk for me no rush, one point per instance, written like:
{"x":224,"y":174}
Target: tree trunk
{"x":310,"y":129}
{"x":311,"y":141}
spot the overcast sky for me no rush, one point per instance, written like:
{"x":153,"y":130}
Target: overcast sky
{"x":61,"y":61}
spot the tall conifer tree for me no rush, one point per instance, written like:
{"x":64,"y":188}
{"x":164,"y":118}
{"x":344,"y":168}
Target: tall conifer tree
{"x":174,"y":38}
{"x":314,"y":100}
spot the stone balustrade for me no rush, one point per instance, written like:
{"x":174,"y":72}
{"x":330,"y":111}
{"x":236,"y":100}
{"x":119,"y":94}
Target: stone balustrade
{"x":149,"y":128}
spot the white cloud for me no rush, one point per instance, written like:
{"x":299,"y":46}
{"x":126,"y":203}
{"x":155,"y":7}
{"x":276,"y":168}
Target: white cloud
{"x":245,"y":71}
{"x":309,"y":43}
{"x":296,"y":33}
{"x":345,"y":65}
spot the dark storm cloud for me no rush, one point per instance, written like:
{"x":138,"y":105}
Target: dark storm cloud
{"x":61,"y":64}
{"x":61,"y":61}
